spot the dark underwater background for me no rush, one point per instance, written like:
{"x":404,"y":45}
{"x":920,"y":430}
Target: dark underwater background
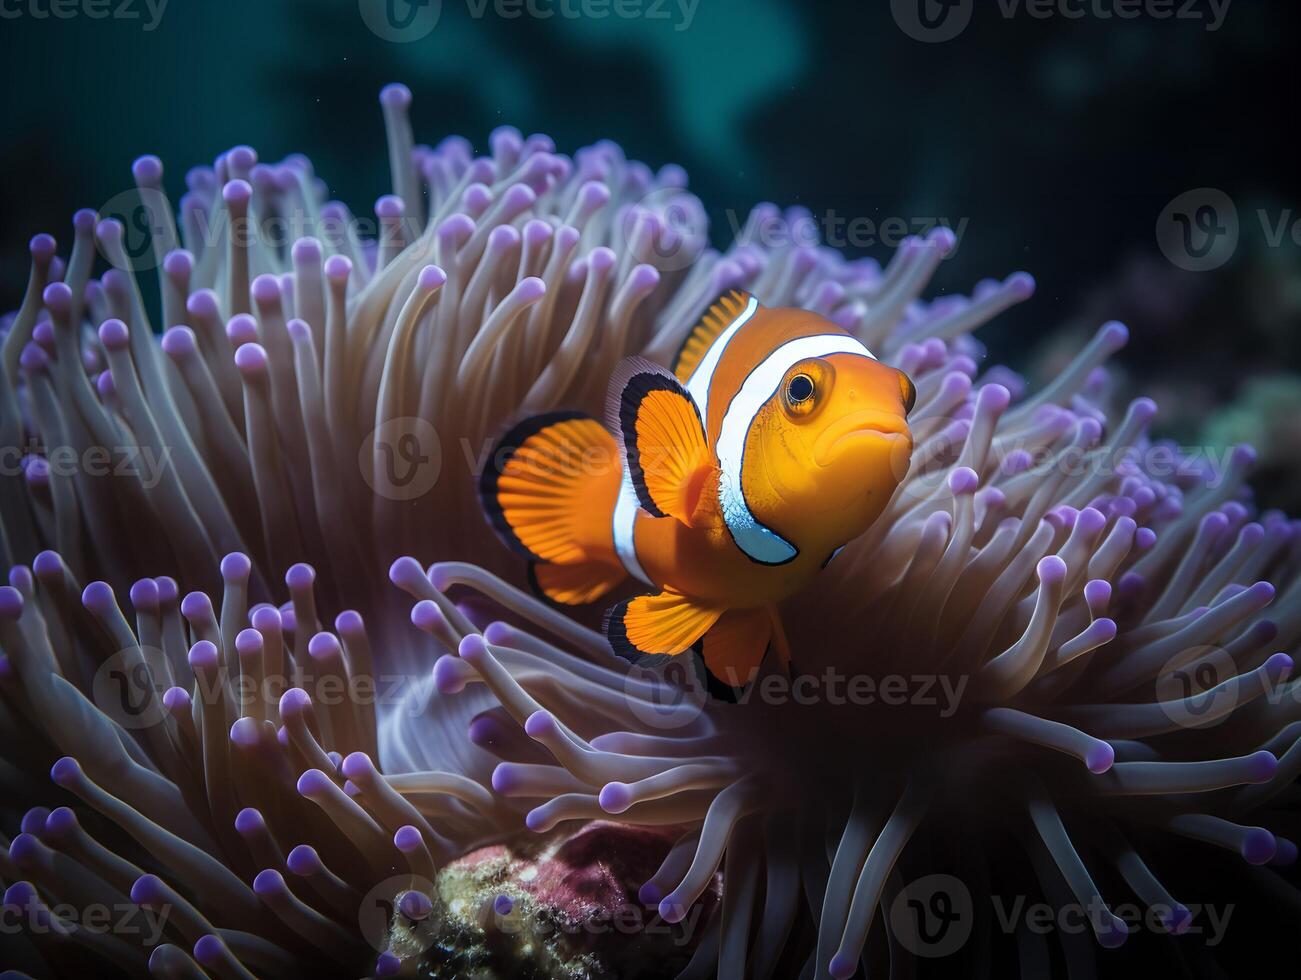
{"x":1053,"y":144}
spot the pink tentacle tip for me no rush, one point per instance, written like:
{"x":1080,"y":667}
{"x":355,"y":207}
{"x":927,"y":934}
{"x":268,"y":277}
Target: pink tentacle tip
{"x":963,"y":480}
{"x":294,"y":702}
{"x":1114,"y":335}
{"x":472,"y":648}
{"x":530,"y":289}
{"x":498,"y":632}
{"x":1099,"y":757}
{"x":431,"y":277}
{"x":236,"y":566}
{"x":358,"y":767}
{"x":395,"y":95}
{"x":448,"y":678}
{"x":407,"y":839}
{"x":1051,"y":570}
{"x":406,"y":572}
{"x":66,"y":772}
{"x":1278,"y":667}
{"x":540,"y":724}
{"x":269,"y":882}
{"x":11,"y":603}
{"x":299,"y":575}
{"x":672,"y":909}
{"x":615,"y":797}
{"x":313,"y":783}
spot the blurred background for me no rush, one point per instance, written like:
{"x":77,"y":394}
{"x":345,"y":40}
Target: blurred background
{"x":1052,"y":143}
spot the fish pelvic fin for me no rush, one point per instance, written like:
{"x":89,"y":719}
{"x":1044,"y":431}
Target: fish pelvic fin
{"x":576,"y":584}
{"x":549,"y":491}
{"x":662,"y":438}
{"x":664,"y":623}
{"x":735,"y":646}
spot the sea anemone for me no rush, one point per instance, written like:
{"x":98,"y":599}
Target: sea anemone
{"x":1050,"y":643}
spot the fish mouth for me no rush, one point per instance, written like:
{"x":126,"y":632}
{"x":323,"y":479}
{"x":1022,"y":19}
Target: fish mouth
{"x":884,"y":426}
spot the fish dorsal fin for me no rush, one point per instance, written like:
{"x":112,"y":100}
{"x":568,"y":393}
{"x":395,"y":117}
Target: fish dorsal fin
{"x":721,"y":313}
{"x":662,"y":439}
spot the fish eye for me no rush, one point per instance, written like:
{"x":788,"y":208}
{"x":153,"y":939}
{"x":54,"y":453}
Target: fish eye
{"x":800,"y":389}
{"x":909,"y":391}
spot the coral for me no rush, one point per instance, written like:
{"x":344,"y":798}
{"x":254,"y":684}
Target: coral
{"x":1056,"y":629}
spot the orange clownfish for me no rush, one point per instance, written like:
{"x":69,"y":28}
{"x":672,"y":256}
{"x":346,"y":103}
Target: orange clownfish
{"x":726,"y":484}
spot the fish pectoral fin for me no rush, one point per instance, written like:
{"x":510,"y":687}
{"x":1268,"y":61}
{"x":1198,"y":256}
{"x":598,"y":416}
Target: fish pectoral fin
{"x":662,"y":438}
{"x":713,"y":322}
{"x":735,"y":645}
{"x":665,"y":623}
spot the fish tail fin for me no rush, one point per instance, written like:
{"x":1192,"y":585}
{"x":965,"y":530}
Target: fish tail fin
{"x":549,"y":492}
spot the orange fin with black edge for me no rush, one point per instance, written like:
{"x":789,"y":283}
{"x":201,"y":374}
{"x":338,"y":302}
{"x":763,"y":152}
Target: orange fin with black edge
{"x":577,"y":584}
{"x":735,"y":645}
{"x":549,"y":491}
{"x":717,"y":318}
{"x":665,"y":623}
{"x":662,"y":439}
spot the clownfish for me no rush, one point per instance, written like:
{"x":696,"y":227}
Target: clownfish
{"x":723,"y":485}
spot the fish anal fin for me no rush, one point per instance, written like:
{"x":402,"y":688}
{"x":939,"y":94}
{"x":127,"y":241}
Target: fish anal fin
{"x":712,"y":322}
{"x":664,"y":623}
{"x":663,"y":439}
{"x":735,"y":645}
